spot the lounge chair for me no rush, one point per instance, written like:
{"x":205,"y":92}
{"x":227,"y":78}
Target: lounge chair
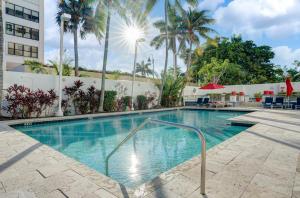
{"x":297,"y":105}
{"x":205,"y":101}
{"x":268,"y":102}
{"x":217,"y":104}
{"x":278,"y":102}
{"x":199,"y":101}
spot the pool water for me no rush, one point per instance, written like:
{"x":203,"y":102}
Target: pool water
{"x":153,"y":150}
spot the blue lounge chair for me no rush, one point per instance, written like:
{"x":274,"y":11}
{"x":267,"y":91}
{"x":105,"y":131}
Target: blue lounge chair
{"x":268,"y":102}
{"x":199,"y":101}
{"x":205,"y":101}
{"x":278,"y":102}
{"x":297,"y":105}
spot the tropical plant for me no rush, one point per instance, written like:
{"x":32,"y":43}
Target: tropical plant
{"x":142,"y":102}
{"x":110,"y":101}
{"x":173,"y":33}
{"x":81,"y":13}
{"x":36,"y":66}
{"x":66,"y":67}
{"x":124,"y":103}
{"x":254,"y":61}
{"x":144,"y":69}
{"x":172,"y":90}
{"x":22,"y":102}
{"x":193,"y":25}
{"x":219,"y":71}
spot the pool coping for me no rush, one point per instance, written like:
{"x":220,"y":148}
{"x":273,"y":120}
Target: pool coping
{"x":147,"y":187}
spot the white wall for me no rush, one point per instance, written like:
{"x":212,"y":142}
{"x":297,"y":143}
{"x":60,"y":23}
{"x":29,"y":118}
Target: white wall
{"x":249,"y":90}
{"x":47,"y":82}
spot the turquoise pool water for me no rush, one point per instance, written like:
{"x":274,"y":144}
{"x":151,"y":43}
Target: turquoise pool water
{"x":155,"y":149}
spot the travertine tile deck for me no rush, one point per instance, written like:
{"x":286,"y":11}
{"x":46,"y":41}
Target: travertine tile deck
{"x":263,"y":161}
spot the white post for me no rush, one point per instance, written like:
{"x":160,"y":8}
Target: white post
{"x":63,"y":18}
{"x":133,"y":74}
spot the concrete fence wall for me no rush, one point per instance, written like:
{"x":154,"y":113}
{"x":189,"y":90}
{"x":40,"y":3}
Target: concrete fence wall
{"x":123,"y":87}
{"x":47,"y":82}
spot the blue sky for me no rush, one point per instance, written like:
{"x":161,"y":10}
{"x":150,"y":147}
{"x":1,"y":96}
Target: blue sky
{"x":268,"y":22}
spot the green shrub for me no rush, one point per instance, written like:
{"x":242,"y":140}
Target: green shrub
{"x":109,"y":101}
{"x":142,"y":102}
{"x":127,"y":101}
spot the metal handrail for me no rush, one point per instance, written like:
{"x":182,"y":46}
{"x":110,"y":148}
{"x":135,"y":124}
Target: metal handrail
{"x":149,"y":120}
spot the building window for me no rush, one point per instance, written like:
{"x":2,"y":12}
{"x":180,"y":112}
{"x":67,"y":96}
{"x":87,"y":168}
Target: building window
{"x":22,"y":31}
{"x":10,"y":9}
{"x":10,"y":29}
{"x":22,"y":50}
{"x":21,"y":12}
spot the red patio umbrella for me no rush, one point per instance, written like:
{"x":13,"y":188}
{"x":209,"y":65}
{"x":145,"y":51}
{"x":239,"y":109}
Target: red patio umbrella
{"x":212,"y":86}
{"x":289,"y":87}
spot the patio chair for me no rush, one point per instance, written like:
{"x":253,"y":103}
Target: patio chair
{"x":205,"y":101}
{"x":278,"y":102}
{"x":297,"y":105}
{"x":199,"y":101}
{"x":268,"y":102}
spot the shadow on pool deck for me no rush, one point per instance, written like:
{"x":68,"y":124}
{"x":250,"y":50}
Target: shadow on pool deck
{"x":18,"y":157}
{"x":275,"y":140}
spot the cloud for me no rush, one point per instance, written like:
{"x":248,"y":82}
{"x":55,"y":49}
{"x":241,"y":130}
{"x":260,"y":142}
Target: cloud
{"x":258,"y":18}
{"x":211,"y":5}
{"x":285,"y":56}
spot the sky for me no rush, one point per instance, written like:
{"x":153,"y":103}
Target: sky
{"x":267,"y":22}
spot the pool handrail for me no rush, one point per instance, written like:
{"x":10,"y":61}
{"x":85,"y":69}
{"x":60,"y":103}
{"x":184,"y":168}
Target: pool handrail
{"x":190,"y":128}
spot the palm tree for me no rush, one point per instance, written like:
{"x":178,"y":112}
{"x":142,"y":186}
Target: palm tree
{"x":36,"y":66}
{"x":144,"y":68}
{"x":173,"y":32}
{"x":102,"y":20}
{"x":193,"y":25}
{"x":81,"y":19}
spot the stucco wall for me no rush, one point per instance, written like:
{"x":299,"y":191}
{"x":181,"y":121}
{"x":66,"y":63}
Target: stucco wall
{"x":47,"y":82}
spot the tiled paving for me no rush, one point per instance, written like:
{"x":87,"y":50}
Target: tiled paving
{"x":263,"y":161}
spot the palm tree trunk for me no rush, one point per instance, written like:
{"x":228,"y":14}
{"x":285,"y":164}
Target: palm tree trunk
{"x":76,"y":52}
{"x":189,"y":61}
{"x":1,"y":57}
{"x":175,"y":57}
{"x":105,"y":58}
{"x":167,"y":54}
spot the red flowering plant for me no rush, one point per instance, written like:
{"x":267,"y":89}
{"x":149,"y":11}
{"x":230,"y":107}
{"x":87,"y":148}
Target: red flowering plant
{"x":22,"y":102}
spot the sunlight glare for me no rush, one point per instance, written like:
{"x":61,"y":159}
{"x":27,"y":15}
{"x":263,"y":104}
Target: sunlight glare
{"x":133,"y":33}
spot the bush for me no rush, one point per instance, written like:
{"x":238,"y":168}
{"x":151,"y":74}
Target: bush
{"x":87,"y":102}
{"x":142,"y":102}
{"x":123,"y":103}
{"x":109,"y":101}
{"x":24,"y":103}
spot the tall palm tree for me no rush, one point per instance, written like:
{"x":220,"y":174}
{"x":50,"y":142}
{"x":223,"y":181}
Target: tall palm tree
{"x":173,"y":32}
{"x":144,"y":68}
{"x":81,"y":12}
{"x":193,"y":26}
{"x":102,"y":20}
{"x":166,"y":4}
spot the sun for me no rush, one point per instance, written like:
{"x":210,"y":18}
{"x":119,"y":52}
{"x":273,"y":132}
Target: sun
{"x":132,"y":33}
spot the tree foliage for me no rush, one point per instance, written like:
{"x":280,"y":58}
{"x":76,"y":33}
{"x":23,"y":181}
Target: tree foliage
{"x":254,"y":61}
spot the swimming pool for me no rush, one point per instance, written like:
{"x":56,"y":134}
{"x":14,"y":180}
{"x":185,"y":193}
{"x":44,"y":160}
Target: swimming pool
{"x":155,"y":149}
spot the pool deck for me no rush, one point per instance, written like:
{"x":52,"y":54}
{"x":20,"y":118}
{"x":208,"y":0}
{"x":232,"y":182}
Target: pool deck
{"x":263,"y":161}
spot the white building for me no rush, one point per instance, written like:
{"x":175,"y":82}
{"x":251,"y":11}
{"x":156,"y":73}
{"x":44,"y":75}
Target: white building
{"x":23,"y":22}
